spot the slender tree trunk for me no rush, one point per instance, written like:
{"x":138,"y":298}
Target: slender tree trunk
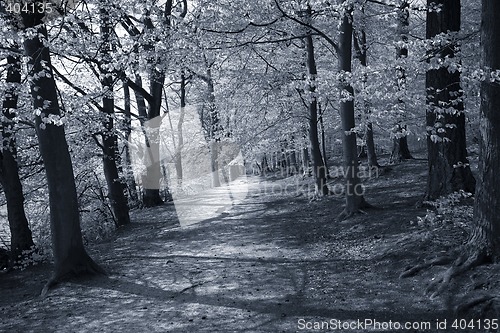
{"x":214,"y":130}
{"x":180,"y":134}
{"x":319,"y":170}
{"x":485,"y":240}
{"x":361,"y":53}
{"x":354,"y":190}
{"x":323,"y":143}
{"x":69,"y":253}
{"x":400,"y":150}
{"x":116,"y":190}
{"x":448,"y":166}
{"x":129,"y":177}
{"x":21,"y":239}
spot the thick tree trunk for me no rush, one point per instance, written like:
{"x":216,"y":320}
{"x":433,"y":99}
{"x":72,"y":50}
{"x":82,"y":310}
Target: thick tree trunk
{"x":21,"y":240}
{"x":70,"y":256}
{"x":151,"y":180}
{"x":319,"y":170}
{"x":116,"y":190}
{"x":354,"y":190}
{"x":448,"y":166}
{"x":486,"y":233}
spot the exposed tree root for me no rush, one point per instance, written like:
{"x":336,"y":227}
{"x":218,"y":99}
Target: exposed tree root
{"x":411,"y":271}
{"x":480,"y":302}
{"x":461,"y":265}
{"x":348,"y":213}
{"x":84,"y":267}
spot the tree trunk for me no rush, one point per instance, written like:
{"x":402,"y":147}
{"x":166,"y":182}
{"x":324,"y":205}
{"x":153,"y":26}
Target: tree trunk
{"x":400,"y":150}
{"x":354,"y":190}
{"x":361,"y":48}
{"x":214,"y":130}
{"x":151,"y":181}
{"x":21,"y":239}
{"x":319,"y":170}
{"x":116,"y":190}
{"x":323,"y":144}
{"x":129,"y":175}
{"x":448,"y":166}
{"x":180,"y":134}
{"x":486,"y":233}
{"x":70,"y":256}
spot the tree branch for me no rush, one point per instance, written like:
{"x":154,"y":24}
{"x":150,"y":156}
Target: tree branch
{"x":307,"y":25}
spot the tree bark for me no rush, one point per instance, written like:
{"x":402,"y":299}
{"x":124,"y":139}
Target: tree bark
{"x":129,"y":174}
{"x":486,"y":233}
{"x":319,"y":170}
{"x":215,"y":128}
{"x":354,"y":190}
{"x":70,"y":256}
{"x":361,"y":48}
{"x":116,"y":189}
{"x":448,"y":166}
{"x":400,"y":150}
{"x":151,"y":181}
{"x":21,"y":240}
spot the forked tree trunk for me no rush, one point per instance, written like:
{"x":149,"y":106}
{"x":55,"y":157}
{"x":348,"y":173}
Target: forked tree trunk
{"x":354,"y":191}
{"x":21,"y":240}
{"x":319,"y":170}
{"x":485,"y":238}
{"x":116,"y":190}
{"x":448,"y":166}
{"x":70,"y":256}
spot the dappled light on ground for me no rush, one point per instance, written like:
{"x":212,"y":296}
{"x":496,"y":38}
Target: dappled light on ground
{"x":258,"y":266}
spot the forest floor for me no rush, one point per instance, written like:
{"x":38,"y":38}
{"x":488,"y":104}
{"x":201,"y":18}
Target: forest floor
{"x":273,"y":262}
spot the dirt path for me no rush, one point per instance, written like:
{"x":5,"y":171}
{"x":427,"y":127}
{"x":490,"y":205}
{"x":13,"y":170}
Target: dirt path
{"x":271,"y":263}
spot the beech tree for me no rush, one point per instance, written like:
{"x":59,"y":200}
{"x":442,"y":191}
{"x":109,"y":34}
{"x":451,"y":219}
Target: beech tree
{"x":109,"y":143}
{"x":449,"y":169}
{"x":400,"y":150}
{"x":483,"y":245}
{"x":354,"y":190}
{"x":319,"y":168}
{"x":21,"y":240}
{"x":70,"y":257}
